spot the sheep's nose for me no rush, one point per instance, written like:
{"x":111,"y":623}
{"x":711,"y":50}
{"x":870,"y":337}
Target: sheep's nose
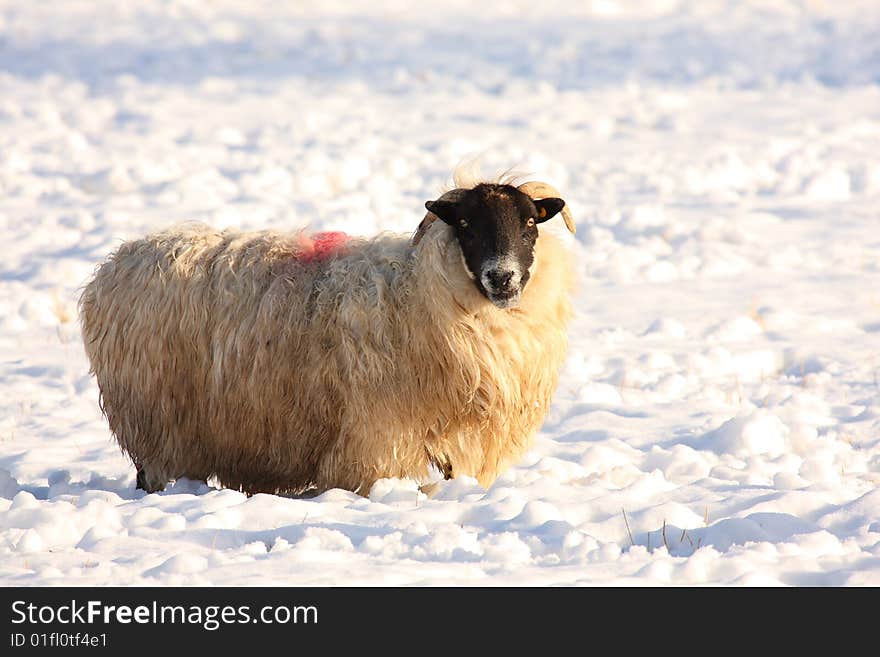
{"x":500,"y":279}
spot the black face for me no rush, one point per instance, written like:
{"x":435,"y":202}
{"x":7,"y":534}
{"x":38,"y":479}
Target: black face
{"x":496,"y":227}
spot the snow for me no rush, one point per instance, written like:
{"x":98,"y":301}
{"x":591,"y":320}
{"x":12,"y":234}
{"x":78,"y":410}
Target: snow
{"x":718,"y":417}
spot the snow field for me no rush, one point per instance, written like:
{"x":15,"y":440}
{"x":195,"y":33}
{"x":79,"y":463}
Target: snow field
{"x":718,"y":417}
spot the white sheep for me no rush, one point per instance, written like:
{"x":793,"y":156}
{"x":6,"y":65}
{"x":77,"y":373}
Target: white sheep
{"x":278,"y":364}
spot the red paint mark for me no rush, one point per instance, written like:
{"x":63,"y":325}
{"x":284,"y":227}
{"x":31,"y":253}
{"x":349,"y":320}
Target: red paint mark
{"x":321,"y":245}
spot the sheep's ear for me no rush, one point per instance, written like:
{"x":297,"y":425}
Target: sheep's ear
{"x":443,"y":209}
{"x":548,"y":207}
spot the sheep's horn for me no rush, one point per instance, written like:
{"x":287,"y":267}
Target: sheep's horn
{"x":452,"y":195}
{"x":538,"y":190}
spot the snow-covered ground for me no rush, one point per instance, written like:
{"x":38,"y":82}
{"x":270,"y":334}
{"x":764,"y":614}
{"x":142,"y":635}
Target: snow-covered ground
{"x":718,"y":419}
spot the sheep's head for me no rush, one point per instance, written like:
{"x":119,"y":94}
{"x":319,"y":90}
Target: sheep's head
{"x":496,"y":227}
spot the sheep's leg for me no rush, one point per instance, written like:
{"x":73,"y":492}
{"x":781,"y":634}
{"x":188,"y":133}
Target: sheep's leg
{"x":150,"y":480}
{"x":443,"y":464}
{"x":447,"y":471}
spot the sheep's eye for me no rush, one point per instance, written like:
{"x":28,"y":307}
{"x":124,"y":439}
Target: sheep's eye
{"x":531,"y":222}
{"x":462,"y":223}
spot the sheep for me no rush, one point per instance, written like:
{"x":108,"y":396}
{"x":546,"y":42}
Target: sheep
{"x":275,"y":366}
